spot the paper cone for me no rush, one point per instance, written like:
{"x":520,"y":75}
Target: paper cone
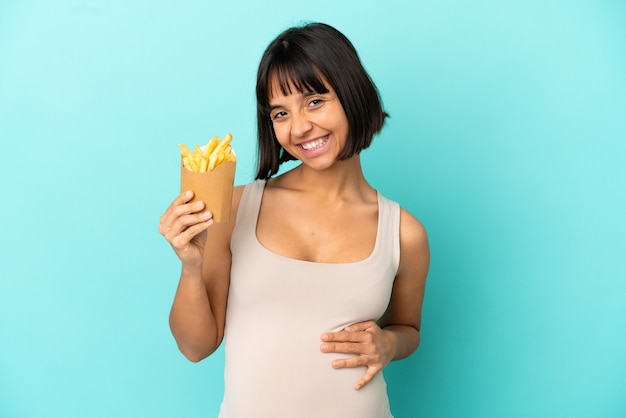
{"x":214,"y":188}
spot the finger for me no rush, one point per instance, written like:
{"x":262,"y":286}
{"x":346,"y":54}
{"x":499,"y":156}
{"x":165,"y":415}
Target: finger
{"x":338,"y":336}
{"x":348,"y":348}
{"x":367,"y":377}
{"x":345,"y":348}
{"x":176,"y":203}
{"x":352,"y":362}
{"x":347,"y":336}
{"x":173,"y":217}
{"x":360,"y":326}
{"x":179,"y":206}
{"x":181,"y":242}
{"x":185,"y":225}
{"x":182,"y":198}
{"x":344,"y":335}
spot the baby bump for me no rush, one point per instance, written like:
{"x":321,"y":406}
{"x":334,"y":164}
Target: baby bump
{"x":297,"y":379}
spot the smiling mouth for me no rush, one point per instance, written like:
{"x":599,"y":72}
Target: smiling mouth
{"x":312,"y":145}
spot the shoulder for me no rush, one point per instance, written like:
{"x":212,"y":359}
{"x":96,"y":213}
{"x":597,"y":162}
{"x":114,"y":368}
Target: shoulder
{"x":411,"y":229}
{"x":413,"y":235}
{"x":414,"y":247}
{"x":237,"y":195}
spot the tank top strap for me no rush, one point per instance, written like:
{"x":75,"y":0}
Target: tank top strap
{"x":389,"y":228}
{"x":249,"y":206}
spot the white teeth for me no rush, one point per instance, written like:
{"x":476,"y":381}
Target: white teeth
{"x":314,"y":144}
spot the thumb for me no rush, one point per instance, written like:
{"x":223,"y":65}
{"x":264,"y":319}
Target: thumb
{"x":360,"y":326}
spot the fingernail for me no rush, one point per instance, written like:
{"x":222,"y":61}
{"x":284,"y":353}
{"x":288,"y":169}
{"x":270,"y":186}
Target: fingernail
{"x":335,"y":364}
{"x":324,"y":337}
{"x":324,"y":347}
{"x":358,"y":386}
{"x":207,"y":214}
{"x":199,"y":205}
{"x":188,"y":193}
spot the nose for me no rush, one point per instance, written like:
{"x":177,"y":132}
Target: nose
{"x":300,"y":124}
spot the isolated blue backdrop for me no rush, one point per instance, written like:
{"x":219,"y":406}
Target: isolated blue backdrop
{"x":506,"y":138}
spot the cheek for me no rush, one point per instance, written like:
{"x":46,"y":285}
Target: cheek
{"x":281,"y":132}
{"x":280,"y":136}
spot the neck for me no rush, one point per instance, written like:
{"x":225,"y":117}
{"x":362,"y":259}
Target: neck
{"x":343,"y":178}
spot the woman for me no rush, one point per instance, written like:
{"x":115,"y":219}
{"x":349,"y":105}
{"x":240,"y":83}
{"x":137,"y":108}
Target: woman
{"x":318,"y":280}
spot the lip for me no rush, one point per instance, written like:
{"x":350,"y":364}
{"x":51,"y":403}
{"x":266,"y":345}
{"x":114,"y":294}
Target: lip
{"x":315,"y":151}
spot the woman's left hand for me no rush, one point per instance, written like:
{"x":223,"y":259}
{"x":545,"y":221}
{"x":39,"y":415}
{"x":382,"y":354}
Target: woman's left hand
{"x":373,"y":346}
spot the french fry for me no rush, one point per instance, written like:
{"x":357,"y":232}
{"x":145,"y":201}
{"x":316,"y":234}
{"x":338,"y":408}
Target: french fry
{"x":210,"y":146}
{"x":184,"y":150}
{"x":212,"y":162}
{"x":224,"y":143}
{"x":206,"y":158}
{"x":203,"y":165}
{"x":193,"y":163}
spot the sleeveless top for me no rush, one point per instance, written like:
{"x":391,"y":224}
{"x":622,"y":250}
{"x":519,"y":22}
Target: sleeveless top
{"x":278,"y":307}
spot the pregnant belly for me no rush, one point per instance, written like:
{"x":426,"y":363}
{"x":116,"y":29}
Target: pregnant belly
{"x":295,"y":379}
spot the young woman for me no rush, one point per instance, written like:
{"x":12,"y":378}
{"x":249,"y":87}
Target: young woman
{"x":317,"y":282}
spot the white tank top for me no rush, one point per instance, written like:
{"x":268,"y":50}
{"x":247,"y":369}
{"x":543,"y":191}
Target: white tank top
{"x":277,"y":309}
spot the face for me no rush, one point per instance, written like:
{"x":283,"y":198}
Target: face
{"x":312,"y":127}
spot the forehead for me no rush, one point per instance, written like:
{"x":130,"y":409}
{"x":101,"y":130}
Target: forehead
{"x":284,"y":82}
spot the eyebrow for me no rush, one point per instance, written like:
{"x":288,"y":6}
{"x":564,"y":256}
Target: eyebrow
{"x":304,"y":96}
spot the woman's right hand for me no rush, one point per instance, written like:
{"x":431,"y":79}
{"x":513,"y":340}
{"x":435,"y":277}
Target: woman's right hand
{"x":184,"y":226}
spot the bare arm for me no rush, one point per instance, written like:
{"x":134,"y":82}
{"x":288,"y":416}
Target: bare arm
{"x":403,"y":317}
{"x":199,"y":308}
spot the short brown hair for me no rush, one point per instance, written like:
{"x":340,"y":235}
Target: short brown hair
{"x":304,"y":57}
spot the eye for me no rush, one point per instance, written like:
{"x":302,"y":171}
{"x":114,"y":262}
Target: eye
{"x":315,"y":102}
{"x":278,"y":115}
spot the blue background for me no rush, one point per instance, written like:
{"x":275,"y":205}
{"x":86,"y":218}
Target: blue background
{"x":507,"y":139}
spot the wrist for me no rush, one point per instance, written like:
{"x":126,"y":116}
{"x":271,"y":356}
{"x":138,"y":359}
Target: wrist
{"x":405,"y":340}
{"x":191,"y":271}
{"x":392,"y":343}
